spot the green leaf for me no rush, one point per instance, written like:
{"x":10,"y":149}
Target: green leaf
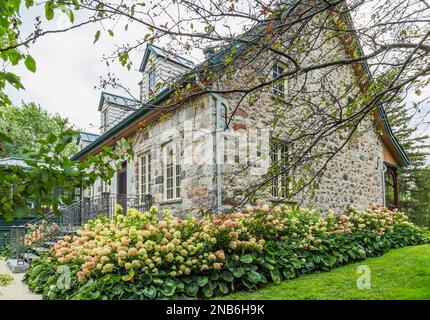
{"x":222,"y":287}
{"x":147,"y":279}
{"x":49,"y":10}
{"x":150,"y":292}
{"x":329,"y":261}
{"x":97,"y":36}
{"x":168,"y":288}
{"x":29,"y":3}
{"x":191,"y":289}
{"x":247,"y":258}
{"x":5,"y":138}
{"x":202,"y":281}
{"x":253,"y":276}
{"x":238,"y":272}
{"x":12,"y":78}
{"x":268,"y":266}
{"x":227,"y":276}
{"x":275,"y":275}
{"x":208,"y":290}
{"x":71,"y":15}
{"x":30,"y":63}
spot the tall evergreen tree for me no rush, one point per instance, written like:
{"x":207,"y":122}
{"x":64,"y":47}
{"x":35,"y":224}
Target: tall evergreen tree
{"x":414,"y":179}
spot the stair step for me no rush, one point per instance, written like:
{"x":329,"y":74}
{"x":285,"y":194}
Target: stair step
{"x":29,"y":257}
{"x":70,"y":230}
{"x":40,"y":250}
{"x":48,"y":243}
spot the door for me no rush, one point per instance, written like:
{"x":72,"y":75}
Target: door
{"x":122,"y":186}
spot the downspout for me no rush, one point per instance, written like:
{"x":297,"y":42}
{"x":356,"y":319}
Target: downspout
{"x":384,"y":169}
{"x":216,"y":154}
{"x":217,"y":166}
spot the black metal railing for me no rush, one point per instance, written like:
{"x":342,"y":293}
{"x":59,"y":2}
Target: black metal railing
{"x":77,"y":214}
{"x":106,"y":202}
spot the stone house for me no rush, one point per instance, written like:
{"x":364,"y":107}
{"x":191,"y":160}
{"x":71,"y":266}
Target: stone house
{"x":190,"y":157}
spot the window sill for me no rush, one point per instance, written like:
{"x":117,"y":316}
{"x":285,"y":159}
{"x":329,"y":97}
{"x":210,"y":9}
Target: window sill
{"x":281,"y":200}
{"x":170,"y":201}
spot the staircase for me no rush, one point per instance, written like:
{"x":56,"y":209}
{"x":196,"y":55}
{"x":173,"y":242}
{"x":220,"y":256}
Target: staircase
{"x":71,"y":219}
{"x":5,"y":229}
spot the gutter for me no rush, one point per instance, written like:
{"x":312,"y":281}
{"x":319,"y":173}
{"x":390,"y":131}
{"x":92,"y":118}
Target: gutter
{"x":132,"y":118}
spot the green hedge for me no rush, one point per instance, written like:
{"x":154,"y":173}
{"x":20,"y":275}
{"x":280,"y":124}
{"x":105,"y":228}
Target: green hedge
{"x":142,"y":256}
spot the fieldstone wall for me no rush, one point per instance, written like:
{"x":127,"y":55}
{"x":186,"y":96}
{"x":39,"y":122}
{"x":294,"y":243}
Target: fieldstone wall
{"x":352,"y":176}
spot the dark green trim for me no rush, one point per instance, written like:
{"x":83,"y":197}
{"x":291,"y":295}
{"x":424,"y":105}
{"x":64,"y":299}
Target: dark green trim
{"x":132,"y":118}
{"x":392,"y":165}
{"x":150,"y":49}
{"x":133,"y":103}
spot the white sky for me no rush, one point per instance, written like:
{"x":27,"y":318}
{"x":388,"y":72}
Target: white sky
{"x":69,"y":66}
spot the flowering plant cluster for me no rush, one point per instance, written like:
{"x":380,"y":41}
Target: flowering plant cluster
{"x":41,"y":232}
{"x":144,"y":256}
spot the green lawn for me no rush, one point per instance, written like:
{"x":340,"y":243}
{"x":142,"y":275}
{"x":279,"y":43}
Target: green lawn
{"x":399,"y":274}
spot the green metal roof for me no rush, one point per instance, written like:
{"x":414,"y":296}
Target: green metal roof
{"x":159,"y":52}
{"x":87,"y":137}
{"x":118,"y":100}
{"x":133,"y":117}
{"x":14,"y":162}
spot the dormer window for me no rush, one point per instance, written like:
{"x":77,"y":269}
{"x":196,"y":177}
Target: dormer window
{"x":104,"y":119}
{"x":152,"y":78}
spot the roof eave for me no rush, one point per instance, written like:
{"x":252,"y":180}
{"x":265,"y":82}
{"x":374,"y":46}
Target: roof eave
{"x":135,"y":116}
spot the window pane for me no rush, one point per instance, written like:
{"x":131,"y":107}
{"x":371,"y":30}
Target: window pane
{"x":169,"y":174}
{"x":178,"y":172}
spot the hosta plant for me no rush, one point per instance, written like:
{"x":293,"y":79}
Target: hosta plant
{"x":150,"y":256}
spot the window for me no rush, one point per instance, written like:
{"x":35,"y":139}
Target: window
{"x":152,"y":78}
{"x":104,"y":119}
{"x":145,"y":174}
{"x":172,"y":172}
{"x":279,"y":86}
{"x":279,"y":158}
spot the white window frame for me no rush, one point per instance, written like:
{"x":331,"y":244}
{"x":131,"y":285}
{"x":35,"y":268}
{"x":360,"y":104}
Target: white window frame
{"x":104,"y":116}
{"x":277,"y":92}
{"x":172,"y":171}
{"x":281,"y":183}
{"x":152,"y":79}
{"x":145,"y":174}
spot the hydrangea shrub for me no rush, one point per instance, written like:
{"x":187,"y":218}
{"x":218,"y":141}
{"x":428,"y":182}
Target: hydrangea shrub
{"x":151,"y":256}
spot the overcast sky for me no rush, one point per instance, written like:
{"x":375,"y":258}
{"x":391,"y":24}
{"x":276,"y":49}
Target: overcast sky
{"x":69,"y":67}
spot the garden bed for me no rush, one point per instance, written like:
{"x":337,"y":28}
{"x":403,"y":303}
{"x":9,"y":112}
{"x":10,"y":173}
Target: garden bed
{"x":142,"y":256}
{"x":389,"y":279}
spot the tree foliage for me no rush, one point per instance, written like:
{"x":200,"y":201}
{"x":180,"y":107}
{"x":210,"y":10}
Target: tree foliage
{"x":27,"y":124}
{"x":414,"y":179}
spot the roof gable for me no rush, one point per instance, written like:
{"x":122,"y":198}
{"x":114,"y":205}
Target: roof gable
{"x":158,"y":52}
{"x":87,"y":137}
{"x":118,"y":100}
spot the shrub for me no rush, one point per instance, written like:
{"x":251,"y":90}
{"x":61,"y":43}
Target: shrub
{"x":41,"y":232}
{"x":143,"y":256}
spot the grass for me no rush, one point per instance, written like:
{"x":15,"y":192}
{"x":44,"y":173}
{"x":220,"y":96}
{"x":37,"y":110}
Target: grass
{"x":399,"y":274}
